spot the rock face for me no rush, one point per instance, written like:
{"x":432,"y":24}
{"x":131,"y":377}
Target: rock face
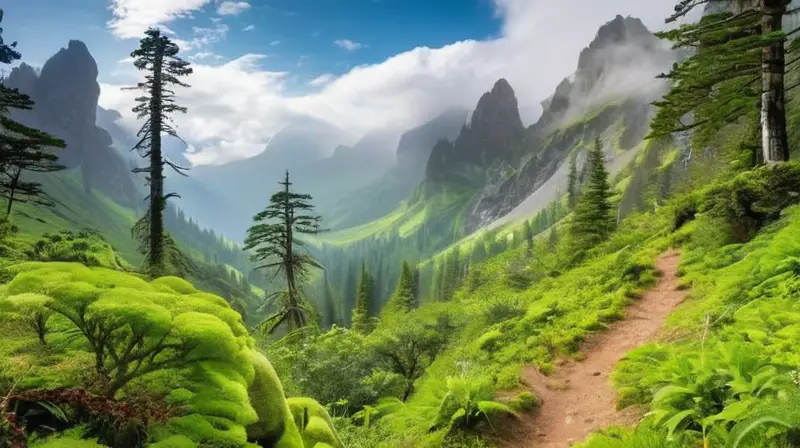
{"x":493,"y":134}
{"x":607,"y":96}
{"x":65,"y":95}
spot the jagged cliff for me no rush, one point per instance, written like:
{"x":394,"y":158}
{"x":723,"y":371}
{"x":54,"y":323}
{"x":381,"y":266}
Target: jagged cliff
{"x":65,"y":95}
{"x":607,"y":97}
{"x":493,"y":136}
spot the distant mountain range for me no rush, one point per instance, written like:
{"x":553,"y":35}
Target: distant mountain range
{"x":485,"y":157}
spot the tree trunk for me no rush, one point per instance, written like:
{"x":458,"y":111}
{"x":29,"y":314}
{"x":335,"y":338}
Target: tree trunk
{"x":156,"y":235}
{"x":12,"y":189}
{"x":775,"y":145}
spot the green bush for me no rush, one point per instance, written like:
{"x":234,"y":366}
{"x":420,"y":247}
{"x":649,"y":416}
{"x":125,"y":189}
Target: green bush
{"x":753,"y":199}
{"x":162,"y":338}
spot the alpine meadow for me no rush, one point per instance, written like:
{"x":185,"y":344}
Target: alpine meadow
{"x":400,"y":224}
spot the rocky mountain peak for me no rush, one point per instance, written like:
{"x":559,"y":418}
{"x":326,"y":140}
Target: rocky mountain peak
{"x":496,"y":107}
{"x":65,"y":94}
{"x":23,"y":77}
{"x":494,"y":133}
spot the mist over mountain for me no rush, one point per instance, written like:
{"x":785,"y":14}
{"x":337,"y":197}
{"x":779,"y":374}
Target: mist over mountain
{"x":397,"y":184}
{"x":608,"y":96}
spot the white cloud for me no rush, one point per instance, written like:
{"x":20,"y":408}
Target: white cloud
{"x":202,"y":37}
{"x":133,"y":17}
{"x":348,"y":44}
{"x":203,"y":55}
{"x":229,"y":8}
{"x":236,"y":106}
{"x":275,"y":43}
{"x":249,"y":28}
{"x":321,"y":80}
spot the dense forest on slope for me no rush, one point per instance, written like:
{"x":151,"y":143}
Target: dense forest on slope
{"x":487,"y":250}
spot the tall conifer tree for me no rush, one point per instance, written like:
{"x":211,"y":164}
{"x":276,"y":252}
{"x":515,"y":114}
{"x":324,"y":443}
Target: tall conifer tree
{"x":593,"y":220}
{"x":274,"y":238}
{"x":361,"y":319}
{"x":157,"y":55}
{"x":403,"y":298}
{"x":735,"y":68}
{"x":572,"y":179}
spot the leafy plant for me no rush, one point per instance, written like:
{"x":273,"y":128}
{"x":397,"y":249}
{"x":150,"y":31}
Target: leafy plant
{"x":467,"y":403}
{"x":781,"y":412}
{"x":714,"y":391}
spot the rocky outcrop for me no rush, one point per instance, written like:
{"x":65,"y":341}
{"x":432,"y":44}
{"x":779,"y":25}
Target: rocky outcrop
{"x":493,"y":133}
{"x":65,"y":95}
{"x":608,"y":96}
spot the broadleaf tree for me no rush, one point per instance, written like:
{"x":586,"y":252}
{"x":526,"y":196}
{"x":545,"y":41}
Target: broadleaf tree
{"x":274,"y":240}
{"x":158,"y":56}
{"x":23,"y":149}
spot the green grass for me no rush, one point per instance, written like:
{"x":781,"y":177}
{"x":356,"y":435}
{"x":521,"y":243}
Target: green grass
{"x":78,"y":210}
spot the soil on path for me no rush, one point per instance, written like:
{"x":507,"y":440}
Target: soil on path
{"x":578,"y":398}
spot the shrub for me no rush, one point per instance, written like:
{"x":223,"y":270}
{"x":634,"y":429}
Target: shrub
{"x":754,"y":198}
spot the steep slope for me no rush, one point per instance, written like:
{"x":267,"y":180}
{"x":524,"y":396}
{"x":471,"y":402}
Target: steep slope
{"x":492,"y":139}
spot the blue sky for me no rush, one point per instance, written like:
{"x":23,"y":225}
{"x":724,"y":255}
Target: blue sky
{"x":359,"y":65}
{"x":297,"y":36}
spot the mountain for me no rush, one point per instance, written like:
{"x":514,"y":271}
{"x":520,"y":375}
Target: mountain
{"x":493,"y":135}
{"x":65,"y":95}
{"x":385,"y":193}
{"x":225,"y":197}
{"x":608,"y":97}
{"x":334,"y":178}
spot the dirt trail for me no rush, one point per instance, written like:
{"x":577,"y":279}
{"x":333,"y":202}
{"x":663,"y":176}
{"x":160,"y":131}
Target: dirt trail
{"x":578,"y":397}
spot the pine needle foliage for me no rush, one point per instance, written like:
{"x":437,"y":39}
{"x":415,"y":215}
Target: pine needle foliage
{"x":273,"y":238}
{"x":158,"y":56}
{"x":734,"y":67}
{"x":361,"y":321}
{"x":593,"y":220}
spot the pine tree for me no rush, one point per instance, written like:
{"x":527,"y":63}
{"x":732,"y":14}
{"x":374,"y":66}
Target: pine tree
{"x":527,"y":231}
{"x":478,"y":252}
{"x":274,"y":237}
{"x":350,"y":291}
{"x":329,"y":305}
{"x":552,"y":240}
{"x":415,"y":279}
{"x":403,"y":298}
{"x":158,"y":56}
{"x":436,"y":282}
{"x":572,"y":187}
{"x":22,"y":149}
{"x":737,"y":67}
{"x":361,"y":318}
{"x":593,"y":220}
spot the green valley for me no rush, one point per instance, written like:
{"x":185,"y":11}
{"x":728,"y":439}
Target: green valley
{"x":621,"y":272}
